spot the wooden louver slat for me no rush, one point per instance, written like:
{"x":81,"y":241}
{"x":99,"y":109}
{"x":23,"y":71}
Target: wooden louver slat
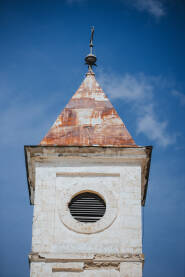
{"x":87,"y":207}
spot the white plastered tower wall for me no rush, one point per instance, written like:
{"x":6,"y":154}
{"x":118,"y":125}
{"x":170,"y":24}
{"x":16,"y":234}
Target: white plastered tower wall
{"x":63,"y":247}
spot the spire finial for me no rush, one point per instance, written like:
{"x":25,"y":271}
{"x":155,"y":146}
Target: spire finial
{"x":91,"y":40}
{"x":90,"y":59}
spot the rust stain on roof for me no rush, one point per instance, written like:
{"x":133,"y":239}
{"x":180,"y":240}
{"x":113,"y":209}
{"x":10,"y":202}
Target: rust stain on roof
{"x":89,"y":119}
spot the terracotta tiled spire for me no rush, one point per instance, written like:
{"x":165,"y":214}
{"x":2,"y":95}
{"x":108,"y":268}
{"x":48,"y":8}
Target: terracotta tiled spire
{"x":89,"y":119}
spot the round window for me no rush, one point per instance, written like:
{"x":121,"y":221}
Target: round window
{"x":87,"y":207}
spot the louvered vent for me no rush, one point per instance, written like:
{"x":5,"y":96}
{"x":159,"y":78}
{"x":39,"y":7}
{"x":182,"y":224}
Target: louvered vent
{"x":87,"y":207}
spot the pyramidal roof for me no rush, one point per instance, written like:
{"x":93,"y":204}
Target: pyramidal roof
{"x":89,"y":119}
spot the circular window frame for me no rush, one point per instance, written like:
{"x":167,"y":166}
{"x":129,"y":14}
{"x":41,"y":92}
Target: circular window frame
{"x":65,"y":197}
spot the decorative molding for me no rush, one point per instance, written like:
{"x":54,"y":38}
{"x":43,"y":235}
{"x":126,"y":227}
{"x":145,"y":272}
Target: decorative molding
{"x":35,"y":154}
{"x":86,"y":174}
{"x":89,"y":259}
{"x":64,"y":197}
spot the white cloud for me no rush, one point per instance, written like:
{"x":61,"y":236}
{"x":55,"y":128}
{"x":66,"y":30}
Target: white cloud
{"x":154,"y":7}
{"x":179,"y":95}
{"x":23,"y":121}
{"x":139,"y":92}
{"x":154,"y":129}
{"x":128,"y":87}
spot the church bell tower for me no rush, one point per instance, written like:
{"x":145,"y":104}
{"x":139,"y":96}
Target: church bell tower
{"x":87,"y":181}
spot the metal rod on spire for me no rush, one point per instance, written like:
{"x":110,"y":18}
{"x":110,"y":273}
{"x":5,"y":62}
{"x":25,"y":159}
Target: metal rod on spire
{"x":91,"y":40}
{"x":91,"y":59}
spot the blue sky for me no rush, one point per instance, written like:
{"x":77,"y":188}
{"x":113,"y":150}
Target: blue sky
{"x":140,"y":46}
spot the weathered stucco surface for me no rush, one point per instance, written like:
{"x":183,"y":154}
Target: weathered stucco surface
{"x":63,"y":247}
{"x":140,"y":155}
{"x":45,"y":270}
{"x":83,"y":269}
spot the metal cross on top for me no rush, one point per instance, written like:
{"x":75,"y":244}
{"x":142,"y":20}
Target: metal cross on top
{"x":91,"y":59}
